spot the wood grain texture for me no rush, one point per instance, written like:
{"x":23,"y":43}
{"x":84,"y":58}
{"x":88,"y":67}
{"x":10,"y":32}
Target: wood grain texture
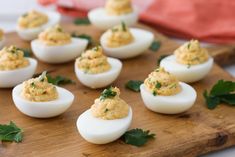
{"x":194,"y":132}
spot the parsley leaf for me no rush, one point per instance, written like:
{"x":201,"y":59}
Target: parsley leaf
{"x":10,"y":132}
{"x":158,"y":85}
{"x":83,"y":36}
{"x":155,"y":46}
{"x":108,"y":93}
{"x":161,"y":58}
{"x":27,"y":51}
{"x":123,"y":26}
{"x":82,"y":21}
{"x":221,"y":92}
{"x":40,"y":73}
{"x":59,"y":80}
{"x":134,"y":85}
{"x":137,"y":137}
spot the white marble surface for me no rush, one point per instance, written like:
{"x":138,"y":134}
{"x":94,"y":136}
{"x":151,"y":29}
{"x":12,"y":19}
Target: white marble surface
{"x":11,"y":9}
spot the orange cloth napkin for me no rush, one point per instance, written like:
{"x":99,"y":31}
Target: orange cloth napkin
{"x":211,"y":20}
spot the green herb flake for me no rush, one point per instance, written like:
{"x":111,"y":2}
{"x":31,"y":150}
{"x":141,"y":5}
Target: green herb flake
{"x":172,"y":86}
{"x":108,"y":93}
{"x":59,"y":80}
{"x":154,"y":93}
{"x":106,"y":110}
{"x":161,"y":58}
{"x":10,"y":132}
{"x":24,"y":15}
{"x":189,"y":44}
{"x":27,"y":51}
{"x":124,"y":26}
{"x":42,"y":76}
{"x":158,"y":85}
{"x":134,"y":85}
{"x":137,"y":137}
{"x":96,"y":48}
{"x":83,"y":36}
{"x":155,"y":46}
{"x":221,"y":92}
{"x":82,"y":21}
{"x":33,"y":84}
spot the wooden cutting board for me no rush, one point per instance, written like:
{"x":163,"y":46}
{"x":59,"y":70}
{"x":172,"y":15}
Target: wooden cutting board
{"x":192,"y":133}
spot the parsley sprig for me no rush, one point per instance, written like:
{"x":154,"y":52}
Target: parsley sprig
{"x":82,"y":21}
{"x":83,"y":36}
{"x":108,"y":93}
{"x":134,"y":85}
{"x":155,"y":46}
{"x":221,"y":92}
{"x":56,"y":80}
{"x":137,"y":137}
{"x":59,"y":80}
{"x":10,"y":132}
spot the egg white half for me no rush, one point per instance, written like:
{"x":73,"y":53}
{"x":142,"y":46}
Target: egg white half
{"x":173,"y":104}
{"x":32,"y":33}
{"x":10,"y":78}
{"x":142,"y":41}
{"x":102,"y":20}
{"x":99,"y":131}
{"x":2,"y":42}
{"x":43,"y":109}
{"x":61,"y":53}
{"x":101,"y":79}
{"x":187,"y":73}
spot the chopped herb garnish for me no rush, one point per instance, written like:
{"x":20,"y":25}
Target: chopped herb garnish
{"x":155,"y":46}
{"x":106,"y":110}
{"x":134,"y":85}
{"x":188,"y":66}
{"x":124,"y":26}
{"x":10,"y":133}
{"x":114,"y":29}
{"x":137,"y":137}
{"x":154,"y":93}
{"x":108,"y":93}
{"x":27,"y":51}
{"x":83,"y":36}
{"x":82,"y":21}
{"x":158,"y":85}
{"x":96,"y":48}
{"x":59,"y":80}
{"x":221,"y":92}
{"x":172,"y":86}
{"x":38,"y":74}
{"x":59,"y":29}
{"x":42,"y":76}
{"x":189,"y":44}
{"x":24,"y":15}
{"x":161,"y":58}
{"x":33,"y":84}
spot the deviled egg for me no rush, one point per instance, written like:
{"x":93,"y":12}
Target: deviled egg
{"x":107,"y":119}
{"x":163,"y":93}
{"x":95,"y":70}
{"x":189,"y":63}
{"x":54,"y":45}
{"x":14,"y":67}
{"x":40,"y":99}
{"x":114,"y":12}
{"x":2,"y":38}
{"x":122,"y":42}
{"x":33,"y":22}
